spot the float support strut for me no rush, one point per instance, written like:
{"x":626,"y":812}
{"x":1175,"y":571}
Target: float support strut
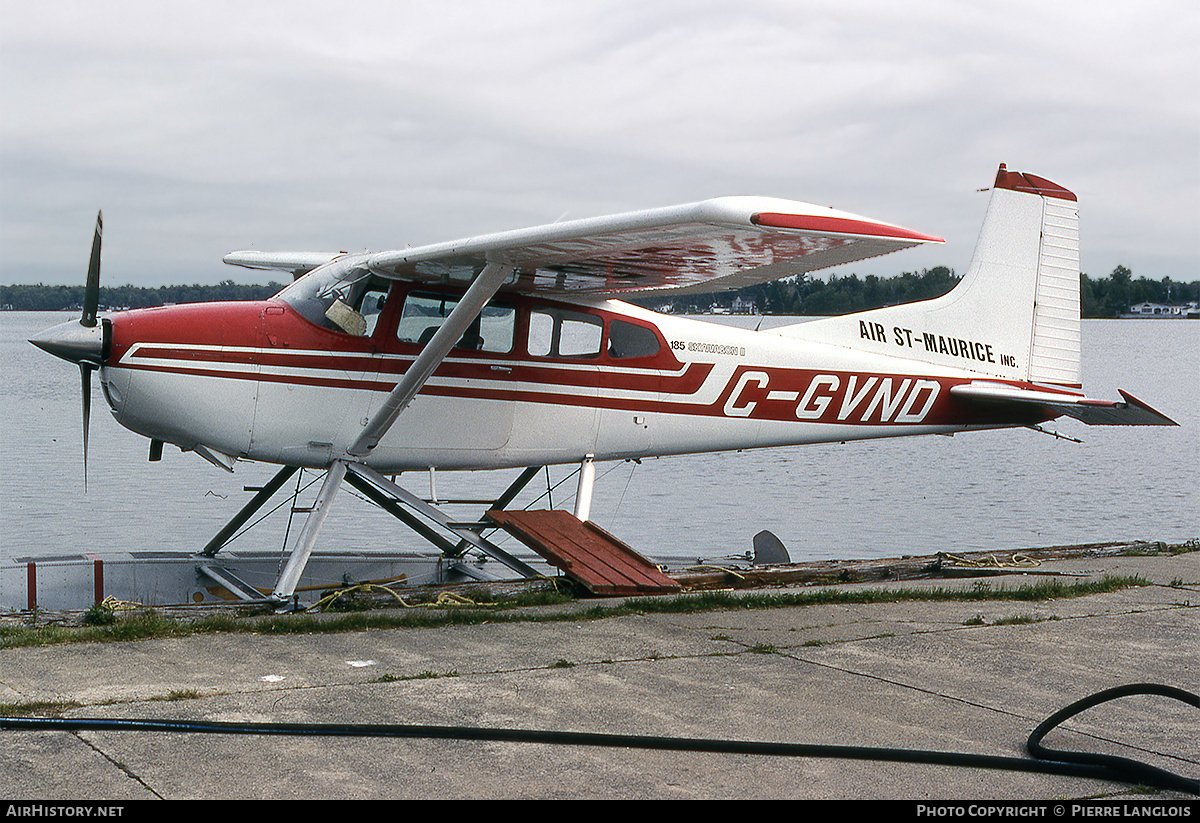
{"x":583,"y":495}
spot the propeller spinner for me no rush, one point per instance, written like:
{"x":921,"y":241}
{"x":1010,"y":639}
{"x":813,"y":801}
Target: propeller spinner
{"x":82,"y":342}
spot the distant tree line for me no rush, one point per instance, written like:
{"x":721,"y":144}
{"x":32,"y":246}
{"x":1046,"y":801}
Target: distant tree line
{"x":1113,"y":295}
{"x":815,"y":296}
{"x":802,"y":295}
{"x":65,"y":298}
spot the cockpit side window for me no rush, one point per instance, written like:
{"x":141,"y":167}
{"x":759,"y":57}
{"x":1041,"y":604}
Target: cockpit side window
{"x":424,"y":312}
{"x":371,"y":305}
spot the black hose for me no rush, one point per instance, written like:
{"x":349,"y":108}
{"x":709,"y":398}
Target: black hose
{"x":1131,"y":771}
{"x":1076,"y":764}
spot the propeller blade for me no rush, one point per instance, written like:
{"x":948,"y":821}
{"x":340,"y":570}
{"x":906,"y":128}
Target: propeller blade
{"x":85,"y":377}
{"x":82,"y":343}
{"x":91,"y":304}
{"x":91,"y":293}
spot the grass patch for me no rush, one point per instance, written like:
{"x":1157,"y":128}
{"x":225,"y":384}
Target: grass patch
{"x":721,"y":600}
{"x":1023,"y":619}
{"x":1017,"y":620}
{"x":425,"y":675}
{"x":39,"y":708}
{"x":148,"y":623}
{"x":1159,"y":548}
{"x":99,"y":615}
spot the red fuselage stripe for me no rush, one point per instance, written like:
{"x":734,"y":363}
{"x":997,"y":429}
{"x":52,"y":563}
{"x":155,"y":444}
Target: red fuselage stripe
{"x":755,"y":393}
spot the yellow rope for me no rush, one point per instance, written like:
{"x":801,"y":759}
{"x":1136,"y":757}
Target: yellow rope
{"x":452,"y":599}
{"x":364,"y":587}
{"x":443,"y":599}
{"x":716,"y":569}
{"x":991,"y":561}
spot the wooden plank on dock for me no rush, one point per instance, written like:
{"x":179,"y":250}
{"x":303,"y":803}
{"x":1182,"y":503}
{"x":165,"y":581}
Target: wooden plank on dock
{"x":585,"y":552}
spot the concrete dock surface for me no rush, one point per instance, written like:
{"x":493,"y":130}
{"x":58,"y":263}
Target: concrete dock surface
{"x":973,"y":677}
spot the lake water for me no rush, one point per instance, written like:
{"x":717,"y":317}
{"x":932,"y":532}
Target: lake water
{"x":977,"y":491}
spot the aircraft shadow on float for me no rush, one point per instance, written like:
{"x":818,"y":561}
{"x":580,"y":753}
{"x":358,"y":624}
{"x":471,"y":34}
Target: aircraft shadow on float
{"x":511,"y":350}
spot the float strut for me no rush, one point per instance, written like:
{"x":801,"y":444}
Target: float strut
{"x":298,"y":559}
{"x":256,"y":503}
{"x":583,"y":495}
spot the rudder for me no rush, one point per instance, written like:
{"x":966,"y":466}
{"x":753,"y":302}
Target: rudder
{"x":1014,"y":315}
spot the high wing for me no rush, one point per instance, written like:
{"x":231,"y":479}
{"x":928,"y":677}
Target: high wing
{"x":1132,"y":412}
{"x":712,"y":245}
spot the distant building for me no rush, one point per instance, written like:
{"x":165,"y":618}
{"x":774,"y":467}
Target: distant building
{"x":1162,"y":310}
{"x":741,"y":306}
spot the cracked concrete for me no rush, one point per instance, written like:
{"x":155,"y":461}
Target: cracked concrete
{"x":951,"y":676}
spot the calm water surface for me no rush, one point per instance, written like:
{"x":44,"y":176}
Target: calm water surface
{"x":978,"y":491}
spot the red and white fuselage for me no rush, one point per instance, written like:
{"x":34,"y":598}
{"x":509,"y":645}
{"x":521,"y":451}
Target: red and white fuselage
{"x":257,"y":381}
{"x":554,"y":370}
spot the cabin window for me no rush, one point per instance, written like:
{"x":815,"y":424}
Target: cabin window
{"x":626,"y":340}
{"x":371,"y":306}
{"x":563,"y":333}
{"x":424,"y":313}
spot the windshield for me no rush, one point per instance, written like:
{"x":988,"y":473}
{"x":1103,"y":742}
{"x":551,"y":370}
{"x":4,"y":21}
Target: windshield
{"x":342,"y":295}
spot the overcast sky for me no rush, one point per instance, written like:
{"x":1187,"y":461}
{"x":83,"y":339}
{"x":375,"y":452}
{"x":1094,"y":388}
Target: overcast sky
{"x":201,"y":128}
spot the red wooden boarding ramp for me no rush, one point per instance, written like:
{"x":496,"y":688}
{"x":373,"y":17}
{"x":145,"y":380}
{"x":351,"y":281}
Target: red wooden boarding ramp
{"x":585,"y":552}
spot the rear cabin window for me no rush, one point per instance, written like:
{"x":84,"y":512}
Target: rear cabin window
{"x":626,"y":340}
{"x":424,"y":313}
{"x":564,"y":333}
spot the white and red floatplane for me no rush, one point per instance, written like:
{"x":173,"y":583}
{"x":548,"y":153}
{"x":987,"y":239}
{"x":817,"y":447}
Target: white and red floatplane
{"x":512,"y":350}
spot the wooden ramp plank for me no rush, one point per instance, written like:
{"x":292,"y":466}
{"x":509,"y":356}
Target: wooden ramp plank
{"x":594,"y":552}
{"x":585,"y":552}
{"x":567,"y":544}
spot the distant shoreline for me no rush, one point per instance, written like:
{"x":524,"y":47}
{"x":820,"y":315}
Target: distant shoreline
{"x":1109,"y":297}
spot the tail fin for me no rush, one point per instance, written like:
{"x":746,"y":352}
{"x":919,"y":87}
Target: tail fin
{"x":1014,"y":315}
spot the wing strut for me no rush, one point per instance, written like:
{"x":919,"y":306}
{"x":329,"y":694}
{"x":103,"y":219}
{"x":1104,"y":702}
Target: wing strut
{"x":463,"y":315}
{"x":486,"y":284}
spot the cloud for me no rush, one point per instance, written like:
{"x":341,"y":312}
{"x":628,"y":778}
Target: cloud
{"x":376,"y":125}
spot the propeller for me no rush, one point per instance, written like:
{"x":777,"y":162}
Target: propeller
{"x":91,"y":302}
{"x":82,"y":342}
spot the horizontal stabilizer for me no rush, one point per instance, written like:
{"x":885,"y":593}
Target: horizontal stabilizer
{"x":1131,"y":412}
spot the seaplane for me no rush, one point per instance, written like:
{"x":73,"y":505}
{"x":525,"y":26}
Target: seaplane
{"x":514,"y":350}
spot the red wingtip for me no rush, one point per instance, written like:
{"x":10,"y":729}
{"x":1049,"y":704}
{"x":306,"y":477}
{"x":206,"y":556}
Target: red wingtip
{"x":840,"y":225}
